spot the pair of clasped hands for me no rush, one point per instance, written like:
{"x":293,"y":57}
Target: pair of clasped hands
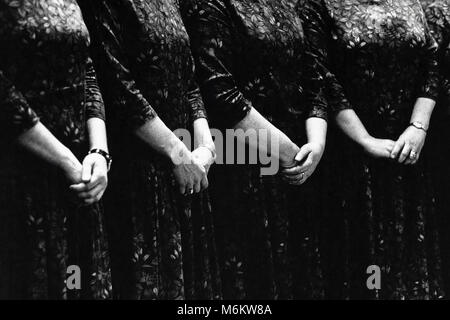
{"x":191,"y":169}
{"x":406,"y":150}
{"x":298,"y":169}
{"x":89,"y":180}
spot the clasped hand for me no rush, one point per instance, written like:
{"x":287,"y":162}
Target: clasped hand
{"x":88,"y":180}
{"x":298,"y":170}
{"x":192,"y":173}
{"x":406,"y":150}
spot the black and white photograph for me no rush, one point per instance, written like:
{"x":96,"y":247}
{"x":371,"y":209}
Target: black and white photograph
{"x":224,"y":154}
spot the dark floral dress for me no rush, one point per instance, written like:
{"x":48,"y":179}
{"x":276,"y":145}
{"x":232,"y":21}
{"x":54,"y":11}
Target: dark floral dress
{"x":438,"y":16}
{"x":380,"y":58}
{"x":253,"y":54}
{"x":161,"y":242}
{"x":46,"y":75}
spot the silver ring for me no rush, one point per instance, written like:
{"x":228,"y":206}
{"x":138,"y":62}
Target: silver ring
{"x":413,"y":155}
{"x":302,"y":176}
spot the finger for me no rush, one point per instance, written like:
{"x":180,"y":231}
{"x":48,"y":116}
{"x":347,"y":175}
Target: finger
{"x":182,"y":188}
{"x":92,"y":193}
{"x":85,"y":187}
{"x":411,"y":157}
{"x":205,"y":183}
{"x":198,"y":186}
{"x":297,"y":180}
{"x":87,"y":171}
{"x":405,"y":153}
{"x":293,"y":179}
{"x":291,"y":171}
{"x":88,"y":202}
{"x":303,"y":153}
{"x":414,"y":161}
{"x":397,"y":149}
{"x":98,"y":177}
{"x":390,"y":146}
{"x":306,"y":166}
{"x":94,"y":199}
{"x":80,"y":187}
{"x":305,"y":178}
{"x":189,"y":189}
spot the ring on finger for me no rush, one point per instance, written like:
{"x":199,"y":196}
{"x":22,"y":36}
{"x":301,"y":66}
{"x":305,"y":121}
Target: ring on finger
{"x":413,"y":155}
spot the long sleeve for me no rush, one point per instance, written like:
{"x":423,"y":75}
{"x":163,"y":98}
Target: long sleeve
{"x":314,"y":85}
{"x":109,"y":52}
{"x":16,"y":116}
{"x":196,"y":103}
{"x":317,"y":32}
{"x":95,"y":108}
{"x":195,"y":98}
{"x":446,"y":69}
{"x":210,"y":29}
{"x":438,"y":17}
{"x":431,"y":79}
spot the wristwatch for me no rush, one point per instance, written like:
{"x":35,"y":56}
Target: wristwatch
{"x":419,"y":125}
{"x":105,"y":154}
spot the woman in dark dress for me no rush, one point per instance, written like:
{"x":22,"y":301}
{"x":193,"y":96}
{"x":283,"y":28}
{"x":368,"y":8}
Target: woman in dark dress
{"x":438,"y":17}
{"x":252,"y":64}
{"x":51,"y":114}
{"x":161,"y":240}
{"x":382,"y":83}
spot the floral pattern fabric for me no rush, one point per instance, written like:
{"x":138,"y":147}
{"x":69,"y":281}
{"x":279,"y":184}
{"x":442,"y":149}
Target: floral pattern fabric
{"x":46,"y":75}
{"x":162,"y":243}
{"x":438,"y":17}
{"x":253,"y":54}
{"x":380,"y":56}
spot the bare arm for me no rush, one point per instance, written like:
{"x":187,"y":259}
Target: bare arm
{"x":161,"y":139}
{"x":423,"y":109}
{"x":41,"y":142}
{"x":189,"y":173}
{"x":204,"y":148}
{"x":316,"y":131}
{"x":287,"y":149}
{"x":349,"y":122}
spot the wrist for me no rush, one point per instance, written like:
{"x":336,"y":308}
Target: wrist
{"x":179,"y":153}
{"x":365,"y":140}
{"x":68,"y":162}
{"x":288,"y":151}
{"x":419,"y":125}
{"x":320,"y":144}
{"x":104,"y":154}
{"x":211,"y":148}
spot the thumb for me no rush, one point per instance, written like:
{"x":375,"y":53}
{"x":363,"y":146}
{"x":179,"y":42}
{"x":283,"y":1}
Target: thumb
{"x":87,"y":171}
{"x":303,"y":153}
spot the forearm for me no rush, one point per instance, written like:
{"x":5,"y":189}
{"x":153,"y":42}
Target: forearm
{"x":42,"y":143}
{"x":423,"y":109}
{"x":316,"y":131}
{"x":97,"y":134}
{"x":352,"y":126}
{"x":202,"y":134}
{"x":161,"y":139}
{"x":255,"y":121}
